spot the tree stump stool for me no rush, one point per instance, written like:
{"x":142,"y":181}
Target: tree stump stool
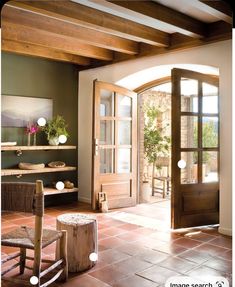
{"x":81,"y":237}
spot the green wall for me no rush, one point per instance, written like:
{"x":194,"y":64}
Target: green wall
{"x":35,"y":77}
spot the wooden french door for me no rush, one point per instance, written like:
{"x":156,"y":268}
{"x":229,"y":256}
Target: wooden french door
{"x":195,"y":149}
{"x":114,"y":145}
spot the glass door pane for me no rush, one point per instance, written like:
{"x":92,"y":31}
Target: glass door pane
{"x":124,"y":106}
{"x":106,"y":132}
{"x":189,"y":131}
{"x":210,"y":166}
{"x":124,"y":160}
{"x":189,"y":95}
{"x":210,"y":99}
{"x":106,"y":103}
{"x":210,"y":132}
{"x":124,"y":132}
{"x":189,"y":173}
{"x":107,"y":160}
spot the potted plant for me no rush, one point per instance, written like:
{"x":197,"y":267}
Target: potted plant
{"x":54,"y":128}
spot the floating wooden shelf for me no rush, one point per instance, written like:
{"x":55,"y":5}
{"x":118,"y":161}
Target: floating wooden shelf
{"x":51,"y":191}
{"x":37,"y":147}
{"x":17,"y":171}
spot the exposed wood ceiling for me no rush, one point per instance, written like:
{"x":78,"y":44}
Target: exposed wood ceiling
{"x":93,"y":33}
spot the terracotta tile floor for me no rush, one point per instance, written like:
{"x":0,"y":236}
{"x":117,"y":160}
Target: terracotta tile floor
{"x":137,"y":247}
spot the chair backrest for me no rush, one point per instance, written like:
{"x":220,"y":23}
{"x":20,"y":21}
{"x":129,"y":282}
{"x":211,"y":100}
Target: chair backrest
{"x":163,"y":162}
{"x":22,"y":196}
{"x":17,"y":196}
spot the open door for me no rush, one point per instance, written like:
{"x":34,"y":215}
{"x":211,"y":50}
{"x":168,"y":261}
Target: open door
{"x":195,"y":148}
{"x":114,"y":145}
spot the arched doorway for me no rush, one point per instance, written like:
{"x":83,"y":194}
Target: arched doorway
{"x":198,"y":146}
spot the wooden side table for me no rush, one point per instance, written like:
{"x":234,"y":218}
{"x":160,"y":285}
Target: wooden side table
{"x":81,"y":237}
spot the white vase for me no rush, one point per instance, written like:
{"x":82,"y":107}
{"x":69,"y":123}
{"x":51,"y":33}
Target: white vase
{"x":54,"y":141}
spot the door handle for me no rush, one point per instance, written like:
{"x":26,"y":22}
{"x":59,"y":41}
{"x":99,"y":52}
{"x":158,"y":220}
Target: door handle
{"x":96,"y":146}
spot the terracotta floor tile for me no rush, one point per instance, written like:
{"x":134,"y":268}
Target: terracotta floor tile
{"x":211,"y":249}
{"x":131,"y":236}
{"x":226,"y":255}
{"x":111,"y":256}
{"x":170,"y":248}
{"x":144,"y":231}
{"x":113,"y":231}
{"x":151,"y":242}
{"x":195,"y":256}
{"x":103,"y":226}
{"x":101,"y":235}
{"x":129,"y":226}
{"x":152,"y":256}
{"x":134,"y":281}
{"x":85,"y":281}
{"x":164,"y":236}
{"x":111,"y":242}
{"x":131,"y":266}
{"x":203,"y":271}
{"x":131,"y":248}
{"x":222,"y":241}
{"x":108,"y":275}
{"x":187,"y":243}
{"x":158,"y":274}
{"x":99,"y":264}
{"x":178,"y":264}
{"x":213,"y":230}
{"x":200,"y":236}
{"x":219,"y":264}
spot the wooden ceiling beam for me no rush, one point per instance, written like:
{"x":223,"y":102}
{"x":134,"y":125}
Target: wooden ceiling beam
{"x":221,"y":6}
{"x":26,"y":34}
{"x":20,"y":16}
{"x":163,"y":15}
{"x":218,"y":9}
{"x":42,"y":52}
{"x":101,"y":21}
{"x":179,"y":42}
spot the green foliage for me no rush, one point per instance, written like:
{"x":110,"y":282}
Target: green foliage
{"x":56,"y":127}
{"x":155,"y":143}
{"x":209,"y":138}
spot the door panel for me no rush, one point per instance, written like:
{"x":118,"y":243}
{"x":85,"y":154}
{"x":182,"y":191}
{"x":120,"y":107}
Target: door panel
{"x":115,"y":145}
{"x":195,"y":143}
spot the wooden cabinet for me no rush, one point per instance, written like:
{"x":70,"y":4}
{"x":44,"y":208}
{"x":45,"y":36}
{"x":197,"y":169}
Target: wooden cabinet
{"x":20,"y":172}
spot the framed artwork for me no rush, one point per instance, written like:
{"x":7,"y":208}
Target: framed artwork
{"x":18,"y":111}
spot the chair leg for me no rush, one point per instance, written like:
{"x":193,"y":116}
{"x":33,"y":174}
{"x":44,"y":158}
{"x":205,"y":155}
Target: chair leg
{"x":22,"y":260}
{"x":153,"y":186}
{"x":63,"y":254}
{"x":164,"y":189}
{"x":37,"y":265}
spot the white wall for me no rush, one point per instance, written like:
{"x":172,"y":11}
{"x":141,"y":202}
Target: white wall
{"x":218,"y":55}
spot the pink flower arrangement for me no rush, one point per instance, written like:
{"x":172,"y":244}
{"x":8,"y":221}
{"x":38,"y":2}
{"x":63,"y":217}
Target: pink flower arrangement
{"x":32,"y":129}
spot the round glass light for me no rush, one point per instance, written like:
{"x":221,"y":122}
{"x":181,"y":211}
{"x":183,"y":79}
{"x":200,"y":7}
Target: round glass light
{"x":181,"y":163}
{"x":59,"y":185}
{"x":41,"y":122}
{"x":62,"y":139}
{"x":33,"y":280}
{"x":93,"y":256}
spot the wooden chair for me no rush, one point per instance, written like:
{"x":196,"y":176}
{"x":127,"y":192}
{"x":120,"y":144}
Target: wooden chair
{"x":29,"y":197}
{"x":164,"y":179}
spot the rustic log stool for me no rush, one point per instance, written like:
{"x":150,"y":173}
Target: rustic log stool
{"x":82,"y":239}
